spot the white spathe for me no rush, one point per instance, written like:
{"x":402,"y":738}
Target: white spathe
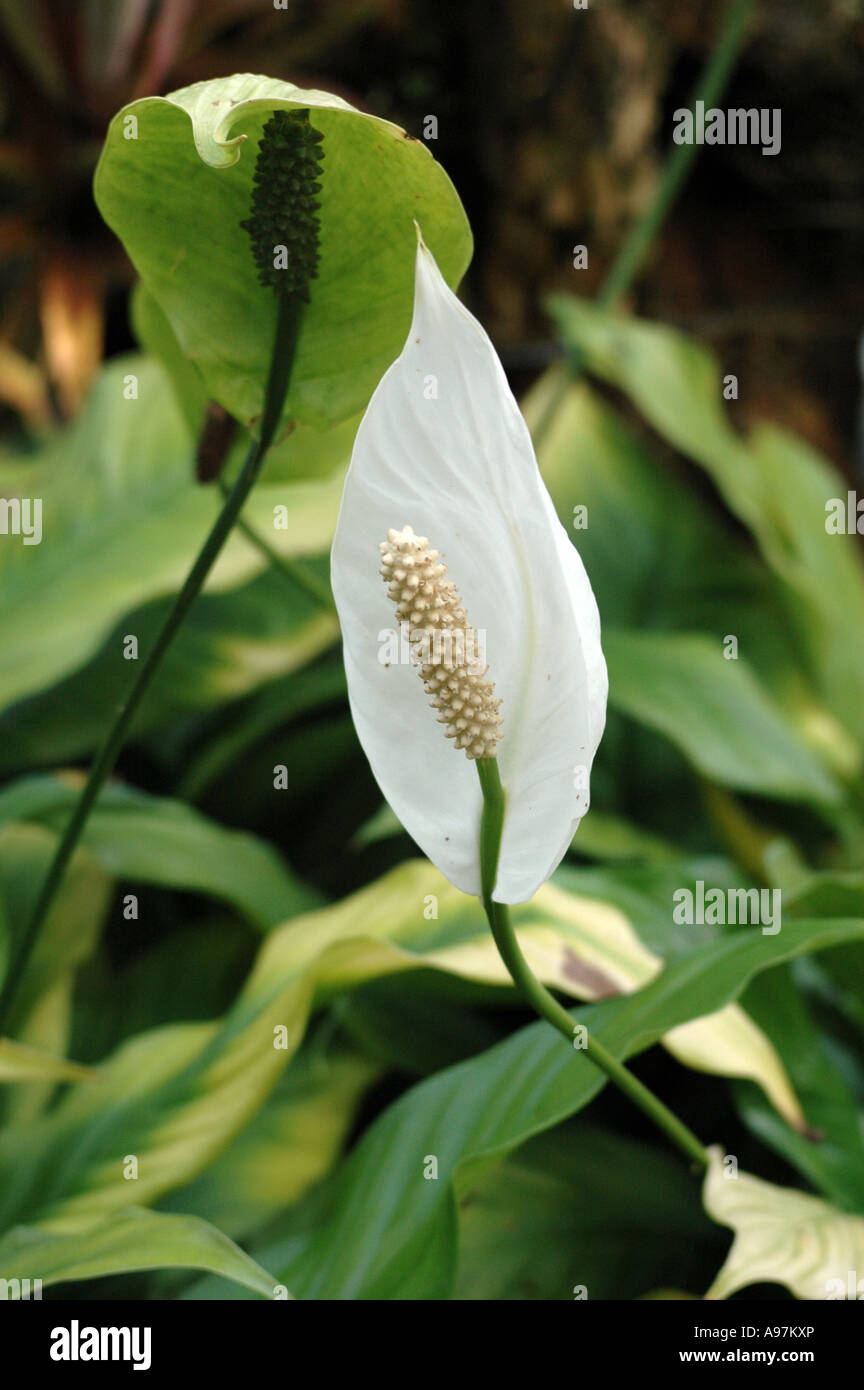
{"x":443,"y":448}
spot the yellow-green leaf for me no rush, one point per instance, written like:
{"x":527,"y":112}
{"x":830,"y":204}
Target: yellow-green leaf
{"x":21,"y":1063}
{"x":584,"y":947}
{"x":132,"y":1239}
{"x":176,"y":1096}
{"x":783,"y":1237}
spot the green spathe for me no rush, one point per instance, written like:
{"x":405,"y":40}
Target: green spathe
{"x":175,"y":181}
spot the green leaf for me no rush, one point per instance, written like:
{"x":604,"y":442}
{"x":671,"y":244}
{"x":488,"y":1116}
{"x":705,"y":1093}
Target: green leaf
{"x":835,"y":894}
{"x":387,"y":1232}
{"x":830,"y":1155}
{"x":698,"y":575}
{"x":823,"y":571}
{"x":383,"y":825}
{"x":229,"y":646}
{"x":177,"y":193}
{"x":132,"y":1239}
{"x":21,"y":1063}
{"x":774,"y":483}
{"x":124,"y":471}
{"x":694,"y":572}
{"x":304,"y":453}
{"x":675,"y":383}
{"x":580,"y":1208}
{"x":155,"y":840}
{"x":584,"y":948}
{"x":831,"y":894}
{"x":615,"y":495}
{"x":41,"y":1011}
{"x":115,"y":1001}
{"x":71,"y":928}
{"x":715,"y":711}
{"x":46,"y":1029}
{"x":172,"y":1097}
{"x":290,"y":1144}
{"x":417,"y":1024}
{"x":176,"y":1096}
{"x":268,"y":709}
{"x":604,"y":836}
{"x":157,"y":338}
{"x":783,"y":1237}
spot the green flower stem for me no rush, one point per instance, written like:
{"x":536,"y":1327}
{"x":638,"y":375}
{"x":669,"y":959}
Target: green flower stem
{"x":536,"y":994}
{"x":281,"y":363}
{"x":631,"y":257}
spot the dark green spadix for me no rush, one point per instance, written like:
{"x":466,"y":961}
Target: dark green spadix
{"x":283,"y":225}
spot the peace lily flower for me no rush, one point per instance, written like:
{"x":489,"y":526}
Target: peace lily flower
{"x":501,"y":649}
{"x":444,"y":499}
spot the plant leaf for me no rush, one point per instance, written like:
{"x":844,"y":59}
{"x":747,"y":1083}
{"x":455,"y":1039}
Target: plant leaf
{"x":21,"y":1063}
{"x":587,"y":949}
{"x":126,"y":466}
{"x":152,"y":839}
{"x":476,"y":1112}
{"x":230,"y":645}
{"x":579,"y":1207}
{"x":131,"y":1239}
{"x":177,"y":1095}
{"x":71,"y":927}
{"x":776,"y":484}
{"x":782,"y":1236}
{"x":304,"y":453}
{"x":830,"y":1155}
{"x":290,"y":1144}
{"x":715,"y":711}
{"x":176,"y":196}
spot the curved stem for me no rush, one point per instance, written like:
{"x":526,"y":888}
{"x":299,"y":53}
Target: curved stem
{"x":279,"y":375}
{"x":536,"y":994}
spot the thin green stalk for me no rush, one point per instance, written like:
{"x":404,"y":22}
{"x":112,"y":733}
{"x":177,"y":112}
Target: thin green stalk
{"x":300,"y":574}
{"x":638,"y":242}
{"x":281,"y":363}
{"x":710,"y":86}
{"x":536,"y":994}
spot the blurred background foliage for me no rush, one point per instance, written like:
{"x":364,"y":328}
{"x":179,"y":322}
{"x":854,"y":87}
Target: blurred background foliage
{"x":301,"y":909}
